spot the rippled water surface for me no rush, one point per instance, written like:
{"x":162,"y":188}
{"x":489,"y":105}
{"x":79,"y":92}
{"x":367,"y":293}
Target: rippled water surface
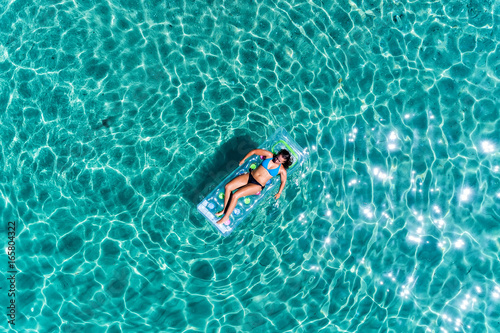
{"x":117,"y":117}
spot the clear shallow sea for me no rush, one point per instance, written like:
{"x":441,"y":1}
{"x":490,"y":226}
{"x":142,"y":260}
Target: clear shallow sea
{"x":118,"y":117}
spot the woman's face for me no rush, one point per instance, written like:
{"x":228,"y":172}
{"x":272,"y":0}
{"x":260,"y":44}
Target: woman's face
{"x":278,"y":159}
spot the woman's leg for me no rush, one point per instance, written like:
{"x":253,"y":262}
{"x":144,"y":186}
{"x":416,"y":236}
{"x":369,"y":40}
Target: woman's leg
{"x":234,"y":184}
{"x":246,"y":190}
{"x":226,"y":204}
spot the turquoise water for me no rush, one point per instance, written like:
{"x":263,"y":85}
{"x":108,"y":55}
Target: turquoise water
{"x":117,"y":117}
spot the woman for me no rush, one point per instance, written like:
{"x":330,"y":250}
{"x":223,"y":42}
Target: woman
{"x":251,"y":183}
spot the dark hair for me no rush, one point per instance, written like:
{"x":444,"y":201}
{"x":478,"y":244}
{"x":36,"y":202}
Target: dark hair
{"x":287,"y":156}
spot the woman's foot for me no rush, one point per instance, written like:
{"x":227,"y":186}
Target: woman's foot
{"x":223,"y":220}
{"x":219,"y":214}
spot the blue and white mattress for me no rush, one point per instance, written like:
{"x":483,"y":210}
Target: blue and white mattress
{"x":214,"y":201}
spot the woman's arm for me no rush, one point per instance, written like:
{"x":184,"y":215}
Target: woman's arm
{"x":282,"y":174}
{"x":262,"y":152}
{"x":283,"y":180}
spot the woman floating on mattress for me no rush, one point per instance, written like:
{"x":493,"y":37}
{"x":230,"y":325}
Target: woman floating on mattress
{"x":251,"y":182}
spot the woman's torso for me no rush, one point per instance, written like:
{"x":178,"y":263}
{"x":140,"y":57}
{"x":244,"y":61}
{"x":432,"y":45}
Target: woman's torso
{"x":262,"y":175}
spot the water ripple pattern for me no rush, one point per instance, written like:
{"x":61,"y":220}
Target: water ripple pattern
{"x":117,"y":117}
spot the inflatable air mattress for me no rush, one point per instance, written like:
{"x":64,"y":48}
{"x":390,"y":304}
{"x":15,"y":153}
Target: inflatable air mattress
{"x":214,"y":201}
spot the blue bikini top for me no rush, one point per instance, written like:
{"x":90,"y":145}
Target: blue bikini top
{"x":272,"y":172}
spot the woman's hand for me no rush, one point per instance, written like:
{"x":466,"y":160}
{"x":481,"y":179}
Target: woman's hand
{"x":242,"y":161}
{"x":277,"y":195}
